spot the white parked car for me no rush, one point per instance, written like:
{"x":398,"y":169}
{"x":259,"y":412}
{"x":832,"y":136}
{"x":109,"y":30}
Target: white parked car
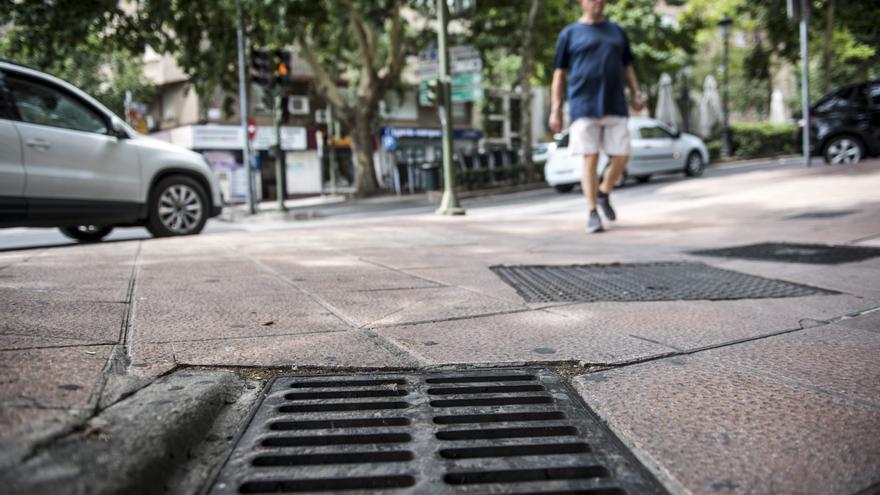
{"x":541,"y":152}
{"x":66,"y":161}
{"x":656,"y":148}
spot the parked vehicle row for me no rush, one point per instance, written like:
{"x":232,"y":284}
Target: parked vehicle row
{"x":67,"y":161}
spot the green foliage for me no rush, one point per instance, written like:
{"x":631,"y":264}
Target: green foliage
{"x":762,"y":139}
{"x":497,"y":29}
{"x":657,"y":47}
{"x":101,"y":71}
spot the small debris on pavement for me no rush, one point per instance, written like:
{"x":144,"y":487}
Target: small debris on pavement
{"x":268,"y":323}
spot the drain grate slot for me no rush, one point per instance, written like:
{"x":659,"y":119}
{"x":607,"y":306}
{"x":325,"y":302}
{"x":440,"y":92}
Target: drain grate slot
{"x":482,"y":379}
{"x":343,"y":406}
{"x":502,"y":389}
{"x":327,"y":485}
{"x":349,"y":394}
{"x":819,"y":254}
{"x":550,"y":431}
{"x":500,"y":401}
{"x":672,"y":281}
{"x":336,"y":440}
{"x":515,"y":450}
{"x":331,"y":424}
{"x":350,"y":458}
{"x":346,"y":383}
{"x":498,"y":418}
{"x":523,"y":475}
{"x":485,"y":431}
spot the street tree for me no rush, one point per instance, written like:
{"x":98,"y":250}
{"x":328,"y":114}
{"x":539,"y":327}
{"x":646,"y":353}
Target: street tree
{"x":517,"y":41}
{"x":89,"y":44}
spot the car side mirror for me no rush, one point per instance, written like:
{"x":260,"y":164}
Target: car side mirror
{"x":118,"y":129}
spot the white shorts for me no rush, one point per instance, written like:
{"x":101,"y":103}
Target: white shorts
{"x":610,"y":134}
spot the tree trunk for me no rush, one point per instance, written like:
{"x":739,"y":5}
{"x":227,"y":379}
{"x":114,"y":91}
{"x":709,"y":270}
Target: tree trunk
{"x":827,"y":49}
{"x":526,"y":90}
{"x":362,"y":152}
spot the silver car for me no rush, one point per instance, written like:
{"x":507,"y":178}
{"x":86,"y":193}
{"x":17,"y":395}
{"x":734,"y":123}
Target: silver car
{"x":68,"y":162}
{"x":656,"y":148}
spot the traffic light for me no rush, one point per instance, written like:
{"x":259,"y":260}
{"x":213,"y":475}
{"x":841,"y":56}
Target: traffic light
{"x":280,"y":67}
{"x":260,"y":72}
{"x":433,"y":91}
{"x":270,"y":67}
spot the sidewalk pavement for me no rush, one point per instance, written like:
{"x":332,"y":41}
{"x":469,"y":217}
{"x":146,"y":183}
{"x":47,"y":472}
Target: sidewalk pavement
{"x":736,"y":396}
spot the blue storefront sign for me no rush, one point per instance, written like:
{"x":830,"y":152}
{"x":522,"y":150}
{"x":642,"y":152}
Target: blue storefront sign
{"x":426,"y":133}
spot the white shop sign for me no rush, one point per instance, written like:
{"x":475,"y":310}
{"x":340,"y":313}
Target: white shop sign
{"x":222,"y":137}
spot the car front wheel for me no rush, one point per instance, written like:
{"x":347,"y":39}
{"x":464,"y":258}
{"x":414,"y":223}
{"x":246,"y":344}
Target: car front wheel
{"x":178,"y":206}
{"x":843,"y":149}
{"x":86,"y":233}
{"x":695,"y":165}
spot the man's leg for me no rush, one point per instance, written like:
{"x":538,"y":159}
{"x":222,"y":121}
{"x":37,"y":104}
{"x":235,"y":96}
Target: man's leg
{"x":590,"y":180}
{"x":616,"y":166}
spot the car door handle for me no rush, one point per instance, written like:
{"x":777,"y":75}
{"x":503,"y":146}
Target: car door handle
{"x":38,"y":144}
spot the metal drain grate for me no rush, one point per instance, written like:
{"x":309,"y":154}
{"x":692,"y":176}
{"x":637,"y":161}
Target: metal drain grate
{"x":643,"y":282}
{"x":820,"y":214}
{"x":489,"y":431}
{"x":819,"y":254}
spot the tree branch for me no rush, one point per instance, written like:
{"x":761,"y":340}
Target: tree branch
{"x":394,"y":63}
{"x":363,"y":41}
{"x":326,"y":86}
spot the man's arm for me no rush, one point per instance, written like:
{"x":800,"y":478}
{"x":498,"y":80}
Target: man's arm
{"x":633,"y":84}
{"x":556,"y":92}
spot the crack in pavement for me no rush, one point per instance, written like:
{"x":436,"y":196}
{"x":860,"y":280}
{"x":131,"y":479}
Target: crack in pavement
{"x":213,"y":339}
{"x":376,"y":339}
{"x":439,"y":283}
{"x":339,"y":314}
{"x":862,"y":239}
{"x":480,"y":315}
{"x":119,"y":359}
{"x":57,"y":346}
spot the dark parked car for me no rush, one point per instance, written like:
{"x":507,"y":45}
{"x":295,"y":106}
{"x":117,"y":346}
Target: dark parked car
{"x":845,"y":123}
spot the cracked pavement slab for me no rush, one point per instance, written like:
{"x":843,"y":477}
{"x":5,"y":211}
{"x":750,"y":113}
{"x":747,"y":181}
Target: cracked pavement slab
{"x":416,"y":292}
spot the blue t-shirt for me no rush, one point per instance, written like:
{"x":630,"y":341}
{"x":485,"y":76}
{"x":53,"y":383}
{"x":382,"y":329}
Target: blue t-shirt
{"x":594,"y":57}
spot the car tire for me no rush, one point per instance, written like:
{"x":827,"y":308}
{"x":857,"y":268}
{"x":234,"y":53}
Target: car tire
{"x":177,"y":206}
{"x":86,"y":233}
{"x":843,"y":149}
{"x":694,"y":166}
{"x":564,"y":188}
{"x":642,"y":179}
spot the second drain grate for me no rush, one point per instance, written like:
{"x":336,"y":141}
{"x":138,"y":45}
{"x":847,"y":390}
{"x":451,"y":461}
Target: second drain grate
{"x":502,"y":431}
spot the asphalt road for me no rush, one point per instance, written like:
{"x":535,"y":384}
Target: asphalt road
{"x":13,"y":239}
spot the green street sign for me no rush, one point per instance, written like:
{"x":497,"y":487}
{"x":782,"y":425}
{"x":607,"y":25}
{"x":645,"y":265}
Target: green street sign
{"x":467,"y":79}
{"x":468,"y":93}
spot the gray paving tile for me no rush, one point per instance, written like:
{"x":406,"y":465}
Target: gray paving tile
{"x":62,"y":377}
{"x":690,"y":325}
{"x":707,"y":428}
{"x":830,"y":358}
{"x":532,"y":336}
{"x":337,"y":349}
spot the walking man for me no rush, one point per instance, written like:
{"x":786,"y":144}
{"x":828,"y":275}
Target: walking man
{"x":593,"y":54}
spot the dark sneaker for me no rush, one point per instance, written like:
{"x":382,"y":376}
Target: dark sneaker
{"x":595,"y":223}
{"x":605,"y":204}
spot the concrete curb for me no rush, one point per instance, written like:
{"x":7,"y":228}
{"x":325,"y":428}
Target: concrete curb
{"x":133,"y":446}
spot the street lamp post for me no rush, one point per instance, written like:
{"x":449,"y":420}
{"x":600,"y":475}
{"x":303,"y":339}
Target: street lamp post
{"x":449,"y":204}
{"x":725,"y":24}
